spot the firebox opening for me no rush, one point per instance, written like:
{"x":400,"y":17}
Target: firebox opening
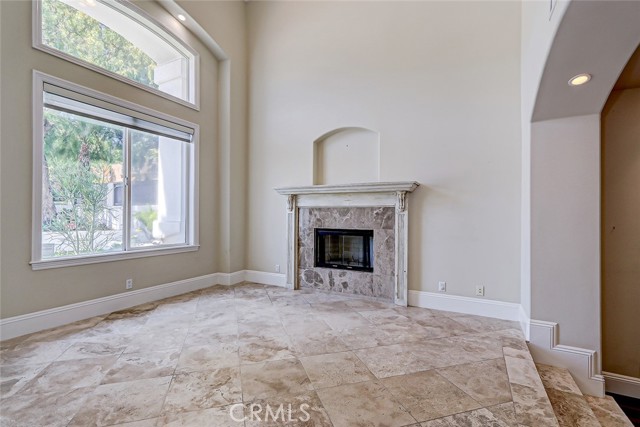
{"x":344,"y":249}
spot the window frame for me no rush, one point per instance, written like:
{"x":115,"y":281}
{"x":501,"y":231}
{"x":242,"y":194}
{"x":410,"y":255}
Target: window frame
{"x":192,"y":190}
{"x":128,"y":8}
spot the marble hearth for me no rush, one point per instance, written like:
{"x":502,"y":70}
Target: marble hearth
{"x":381,"y":207}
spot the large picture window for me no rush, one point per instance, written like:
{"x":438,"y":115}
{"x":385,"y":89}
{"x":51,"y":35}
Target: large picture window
{"x":111,"y":178}
{"x":120,"y":40}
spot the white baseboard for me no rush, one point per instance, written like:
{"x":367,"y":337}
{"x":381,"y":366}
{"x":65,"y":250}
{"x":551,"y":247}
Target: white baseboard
{"x":28,"y":323}
{"x":622,"y":384}
{"x":33,"y":322}
{"x":525,"y":323}
{"x":581,"y":362}
{"x":476,"y":306}
{"x":274,"y":279}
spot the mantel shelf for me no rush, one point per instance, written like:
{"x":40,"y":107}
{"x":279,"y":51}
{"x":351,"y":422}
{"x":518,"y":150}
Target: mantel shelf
{"x":367,"y":187}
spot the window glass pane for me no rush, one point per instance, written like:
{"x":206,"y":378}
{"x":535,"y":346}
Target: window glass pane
{"x":158,"y":190}
{"x":102,"y":34}
{"x":82,"y":172}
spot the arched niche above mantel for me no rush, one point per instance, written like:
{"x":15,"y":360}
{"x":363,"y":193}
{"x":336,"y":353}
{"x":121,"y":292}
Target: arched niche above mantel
{"x":336,"y":152}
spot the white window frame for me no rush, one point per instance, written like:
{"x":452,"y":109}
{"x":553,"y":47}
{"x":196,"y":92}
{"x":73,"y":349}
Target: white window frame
{"x":130,"y":10}
{"x":37,"y":262}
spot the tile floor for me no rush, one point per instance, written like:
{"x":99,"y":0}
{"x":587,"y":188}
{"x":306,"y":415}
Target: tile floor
{"x":255,"y":355}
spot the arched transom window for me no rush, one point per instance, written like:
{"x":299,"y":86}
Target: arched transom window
{"x":120,"y":40}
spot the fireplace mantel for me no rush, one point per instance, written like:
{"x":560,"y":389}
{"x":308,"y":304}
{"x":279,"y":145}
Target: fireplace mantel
{"x":367,"y":187}
{"x":375,"y":194}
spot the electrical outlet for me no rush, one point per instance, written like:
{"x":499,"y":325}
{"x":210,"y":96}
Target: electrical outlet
{"x":480,"y":291}
{"x":277,"y":268}
{"x":442,"y":286}
{"x":128,"y":284}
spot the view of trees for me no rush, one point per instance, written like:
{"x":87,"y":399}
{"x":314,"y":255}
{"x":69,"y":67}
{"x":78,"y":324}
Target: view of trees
{"x":73,"y":32}
{"x":84,"y":158}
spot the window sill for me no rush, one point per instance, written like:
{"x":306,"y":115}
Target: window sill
{"x":120,"y":256}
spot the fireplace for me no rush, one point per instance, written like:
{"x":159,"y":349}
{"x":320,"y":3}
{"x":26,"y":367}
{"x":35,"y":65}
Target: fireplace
{"x":345,"y":249}
{"x":380,"y":208}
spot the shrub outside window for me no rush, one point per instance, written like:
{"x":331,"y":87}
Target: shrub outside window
{"x":120,"y":40}
{"x":111,"y":179}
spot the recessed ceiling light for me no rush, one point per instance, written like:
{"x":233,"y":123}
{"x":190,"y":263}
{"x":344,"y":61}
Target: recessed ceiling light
{"x":182,"y":17}
{"x":580,"y":79}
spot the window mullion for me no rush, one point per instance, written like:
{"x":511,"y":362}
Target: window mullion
{"x":126,"y":208}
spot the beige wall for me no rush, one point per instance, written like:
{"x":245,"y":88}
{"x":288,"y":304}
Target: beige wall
{"x":225,"y":22}
{"x":621,"y":233}
{"x":23,"y":290}
{"x":440,"y":81}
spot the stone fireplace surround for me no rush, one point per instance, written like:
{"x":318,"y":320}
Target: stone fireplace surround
{"x":380,"y":206}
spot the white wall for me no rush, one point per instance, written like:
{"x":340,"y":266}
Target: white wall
{"x":565,"y":217}
{"x":621,"y":233}
{"x":539,"y":26}
{"x":440,"y":81}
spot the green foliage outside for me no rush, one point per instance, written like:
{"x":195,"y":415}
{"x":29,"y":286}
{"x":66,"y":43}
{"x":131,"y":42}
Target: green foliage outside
{"x":82,"y":191}
{"x":147,"y":217}
{"x":77,"y":34}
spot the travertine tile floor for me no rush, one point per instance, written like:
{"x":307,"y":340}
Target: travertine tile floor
{"x":269,"y":356}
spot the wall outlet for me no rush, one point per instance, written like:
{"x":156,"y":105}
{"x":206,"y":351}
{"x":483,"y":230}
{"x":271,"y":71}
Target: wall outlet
{"x":442,"y":286}
{"x":277,"y":268}
{"x":480,"y":291}
{"x":128,"y":284}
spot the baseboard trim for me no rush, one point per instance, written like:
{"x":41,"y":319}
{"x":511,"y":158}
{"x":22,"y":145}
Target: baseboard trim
{"x":33,"y":322}
{"x":274,"y":279}
{"x":581,"y":362}
{"x":622,"y":384}
{"x":524,"y":323}
{"x":477,"y":306}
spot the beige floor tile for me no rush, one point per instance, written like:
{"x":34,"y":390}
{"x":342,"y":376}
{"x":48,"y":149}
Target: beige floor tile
{"x":302,"y":410}
{"x":317,"y":343}
{"x":30,"y":353}
{"x":392,"y":360}
{"x":506,"y":413}
{"x":532,"y":406}
{"x":608,"y":412}
{"x":202,"y":390}
{"x":365,"y":337}
{"x":557,"y":378}
{"x":483,"y":324}
{"x":384,"y":316}
{"x":367,"y":404}
{"x":138,"y":366}
{"x":278,"y":377}
{"x":523,"y":372}
{"x":572,"y":410}
{"x":486,"y":382}
{"x":81,"y":350}
{"x":14,"y":377}
{"x":330,"y":370}
{"x":211,"y":334}
{"x":208,"y":357}
{"x":149,"y":422}
{"x":119,"y":403}
{"x":344,"y":320}
{"x":70,"y":374}
{"x":225,"y":416}
{"x":477,"y":418}
{"x":48,"y":409}
{"x":264,"y":349}
{"x":428,"y":395}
